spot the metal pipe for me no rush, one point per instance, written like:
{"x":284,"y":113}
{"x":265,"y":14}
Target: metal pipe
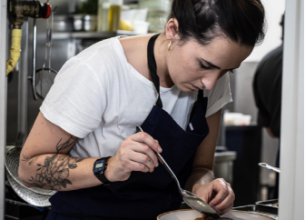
{"x":34,"y":58}
{"x":23,"y":88}
{"x":3,"y":105}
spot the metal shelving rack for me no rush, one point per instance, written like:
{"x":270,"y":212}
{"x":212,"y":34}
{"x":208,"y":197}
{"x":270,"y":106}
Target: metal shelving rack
{"x":89,"y":35}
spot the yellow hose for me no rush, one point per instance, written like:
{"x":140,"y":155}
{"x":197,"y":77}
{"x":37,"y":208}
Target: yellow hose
{"x":15,"y":50}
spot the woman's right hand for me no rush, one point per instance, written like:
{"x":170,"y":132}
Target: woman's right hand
{"x":136,"y":153}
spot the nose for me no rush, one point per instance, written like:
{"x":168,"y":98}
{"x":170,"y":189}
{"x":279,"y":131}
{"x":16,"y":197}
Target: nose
{"x":210,"y":80}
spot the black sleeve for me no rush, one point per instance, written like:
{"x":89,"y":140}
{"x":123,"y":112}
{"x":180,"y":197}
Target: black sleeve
{"x":263,"y":118}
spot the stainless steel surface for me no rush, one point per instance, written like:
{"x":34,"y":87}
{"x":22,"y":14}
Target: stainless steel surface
{"x":46,"y":75}
{"x":269,"y":206}
{"x":12,"y":165}
{"x":3,"y":101}
{"x":90,"y":23}
{"x":265,"y":165}
{"x":78,"y":22}
{"x":63,"y":23}
{"x":23,"y":86}
{"x":83,"y":35}
{"x":34,"y":58}
{"x":253,"y":209}
{"x":189,"y":198}
{"x":223,"y":165}
{"x":28,"y":195}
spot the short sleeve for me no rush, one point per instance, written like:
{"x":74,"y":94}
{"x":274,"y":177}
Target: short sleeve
{"x":219,"y":96}
{"x":76,"y":100}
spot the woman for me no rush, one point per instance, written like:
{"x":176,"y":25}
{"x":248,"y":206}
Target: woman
{"x":84,"y":142}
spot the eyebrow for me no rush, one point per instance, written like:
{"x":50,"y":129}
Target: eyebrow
{"x":217,"y":67}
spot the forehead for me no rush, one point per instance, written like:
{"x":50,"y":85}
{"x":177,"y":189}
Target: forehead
{"x":220,"y":51}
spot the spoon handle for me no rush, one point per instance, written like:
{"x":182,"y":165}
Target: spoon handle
{"x":162,"y":161}
{"x":270,"y":167}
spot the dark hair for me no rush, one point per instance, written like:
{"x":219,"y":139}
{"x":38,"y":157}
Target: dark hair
{"x":242,"y":21}
{"x":282,"y":23}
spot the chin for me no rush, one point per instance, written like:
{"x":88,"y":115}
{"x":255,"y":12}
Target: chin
{"x":185,"y":89}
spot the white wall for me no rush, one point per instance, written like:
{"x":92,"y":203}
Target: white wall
{"x":291,"y":203}
{"x":274,"y":10}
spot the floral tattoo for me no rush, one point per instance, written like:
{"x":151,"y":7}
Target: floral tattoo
{"x":54,"y":173}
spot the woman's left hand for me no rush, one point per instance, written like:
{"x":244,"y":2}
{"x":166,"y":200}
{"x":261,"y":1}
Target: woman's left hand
{"x":218,"y":194}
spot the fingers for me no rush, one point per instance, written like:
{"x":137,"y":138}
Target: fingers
{"x":224,"y":198}
{"x":137,"y":153}
{"x":145,"y":138}
{"x":143,"y":159}
{"x":145,"y":155}
{"x":135,"y":166}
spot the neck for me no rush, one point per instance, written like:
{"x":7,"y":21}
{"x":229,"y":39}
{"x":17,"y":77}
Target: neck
{"x":160,"y":51}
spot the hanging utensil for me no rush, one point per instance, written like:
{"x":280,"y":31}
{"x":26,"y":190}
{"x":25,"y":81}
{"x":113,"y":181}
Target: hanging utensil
{"x":189,"y":198}
{"x":265,"y":165}
{"x":45,"y":76}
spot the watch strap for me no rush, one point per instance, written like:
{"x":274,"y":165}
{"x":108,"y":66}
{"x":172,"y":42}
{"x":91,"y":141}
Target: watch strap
{"x":101,"y":174}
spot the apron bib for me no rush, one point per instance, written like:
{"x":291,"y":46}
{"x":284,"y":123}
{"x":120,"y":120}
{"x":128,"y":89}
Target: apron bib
{"x":143,"y":195}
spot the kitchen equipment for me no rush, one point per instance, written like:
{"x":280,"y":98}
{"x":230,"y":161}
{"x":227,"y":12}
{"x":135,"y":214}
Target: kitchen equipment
{"x":63,"y":23}
{"x":114,"y":15}
{"x":28,"y":195}
{"x":12,"y":165}
{"x":192,"y":215}
{"x":189,"y":198}
{"x":102,"y":15}
{"x":157,"y":15}
{"x":223,"y":164}
{"x":268,"y":206}
{"x":46,"y":75}
{"x":90,"y":23}
{"x":78,"y":23}
{"x":265,"y":165}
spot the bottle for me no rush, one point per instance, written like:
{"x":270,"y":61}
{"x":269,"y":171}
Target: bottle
{"x":114,"y":15}
{"x":102,"y":15}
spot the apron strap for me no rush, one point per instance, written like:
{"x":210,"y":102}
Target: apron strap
{"x":200,"y":95}
{"x":153,"y":67}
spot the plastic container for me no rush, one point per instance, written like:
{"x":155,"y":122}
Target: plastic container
{"x":102,"y":15}
{"x":158,"y":11}
{"x":140,"y":27}
{"x":90,"y":23}
{"x":114,"y":15}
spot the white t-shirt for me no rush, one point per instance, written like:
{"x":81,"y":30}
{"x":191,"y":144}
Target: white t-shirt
{"x":99,"y":97}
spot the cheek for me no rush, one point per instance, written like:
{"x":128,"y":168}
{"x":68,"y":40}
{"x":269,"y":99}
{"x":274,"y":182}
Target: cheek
{"x":183,"y":69}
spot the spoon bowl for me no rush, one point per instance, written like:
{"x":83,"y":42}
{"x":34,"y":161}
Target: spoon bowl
{"x":189,"y":198}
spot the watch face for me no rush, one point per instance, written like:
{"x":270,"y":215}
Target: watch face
{"x":99,"y":165}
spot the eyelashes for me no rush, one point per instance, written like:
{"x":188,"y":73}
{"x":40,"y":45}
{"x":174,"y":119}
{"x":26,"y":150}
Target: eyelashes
{"x":204,"y":67}
{"x":208,"y":68}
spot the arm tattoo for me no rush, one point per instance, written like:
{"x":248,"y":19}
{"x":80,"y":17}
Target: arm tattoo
{"x":54,"y":173}
{"x":28,"y":159}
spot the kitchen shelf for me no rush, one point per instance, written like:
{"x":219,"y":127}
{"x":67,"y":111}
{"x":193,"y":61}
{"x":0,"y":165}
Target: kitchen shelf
{"x":89,"y":35}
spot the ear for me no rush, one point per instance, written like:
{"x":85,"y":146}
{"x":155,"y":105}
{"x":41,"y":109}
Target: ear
{"x":172,"y":29}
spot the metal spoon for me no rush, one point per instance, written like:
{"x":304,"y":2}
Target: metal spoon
{"x":189,"y":198}
{"x":270,"y":167}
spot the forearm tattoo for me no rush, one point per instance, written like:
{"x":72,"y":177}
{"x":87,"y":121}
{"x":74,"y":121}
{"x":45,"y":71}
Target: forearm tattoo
{"x":54,"y":172}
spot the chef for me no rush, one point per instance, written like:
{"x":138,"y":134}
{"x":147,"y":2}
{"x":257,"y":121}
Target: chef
{"x":84,"y":143}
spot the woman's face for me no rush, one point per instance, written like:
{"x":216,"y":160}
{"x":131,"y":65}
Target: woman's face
{"x":193,"y":66}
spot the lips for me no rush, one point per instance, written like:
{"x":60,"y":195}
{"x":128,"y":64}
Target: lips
{"x":195,"y":87}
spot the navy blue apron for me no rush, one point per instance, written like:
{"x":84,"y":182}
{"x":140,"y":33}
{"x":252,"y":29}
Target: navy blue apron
{"x":143,"y":195}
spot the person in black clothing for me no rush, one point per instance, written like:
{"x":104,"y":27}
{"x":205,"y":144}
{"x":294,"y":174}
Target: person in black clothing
{"x":267,"y":89}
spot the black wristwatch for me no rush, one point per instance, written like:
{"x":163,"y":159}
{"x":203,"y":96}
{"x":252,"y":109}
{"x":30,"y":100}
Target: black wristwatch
{"x":99,"y":169}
